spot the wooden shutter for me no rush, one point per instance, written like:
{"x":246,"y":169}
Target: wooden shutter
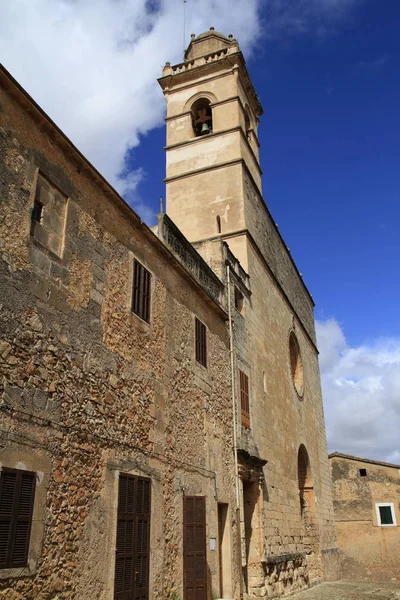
{"x":141,"y":291}
{"x":142,"y":545}
{"x":244,"y":399}
{"x":201,"y":342}
{"x":194,"y":548}
{"x":133,"y":538}
{"x":17,"y":493}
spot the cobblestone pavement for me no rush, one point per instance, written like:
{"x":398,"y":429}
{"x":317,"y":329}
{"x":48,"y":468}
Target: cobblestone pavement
{"x":349,"y":590}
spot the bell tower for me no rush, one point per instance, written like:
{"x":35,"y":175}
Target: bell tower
{"x":212,"y":119}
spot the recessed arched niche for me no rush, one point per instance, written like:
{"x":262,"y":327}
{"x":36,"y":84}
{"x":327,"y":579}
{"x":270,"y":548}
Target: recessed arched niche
{"x":247,"y":122}
{"x":296,"y":364}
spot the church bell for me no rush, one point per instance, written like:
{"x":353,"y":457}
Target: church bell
{"x":204,"y":129}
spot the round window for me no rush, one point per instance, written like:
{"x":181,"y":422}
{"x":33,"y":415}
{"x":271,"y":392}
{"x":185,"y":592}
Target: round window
{"x":296,"y":364}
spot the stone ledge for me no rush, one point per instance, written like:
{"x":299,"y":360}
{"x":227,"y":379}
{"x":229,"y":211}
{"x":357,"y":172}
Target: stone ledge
{"x":188,"y":256}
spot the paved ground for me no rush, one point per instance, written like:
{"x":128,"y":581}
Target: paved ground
{"x":348,"y":590}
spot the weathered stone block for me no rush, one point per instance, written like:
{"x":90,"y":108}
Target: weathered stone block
{"x":99,"y":272}
{"x":57,"y":271}
{"x":96,"y":296}
{"x":58,"y":299}
{"x":39,"y":259}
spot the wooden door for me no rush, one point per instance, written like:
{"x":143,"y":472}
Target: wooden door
{"x":133,"y":539}
{"x":194,"y":548}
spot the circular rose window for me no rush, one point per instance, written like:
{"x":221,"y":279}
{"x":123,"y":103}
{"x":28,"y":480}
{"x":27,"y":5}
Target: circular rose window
{"x":296,"y":364}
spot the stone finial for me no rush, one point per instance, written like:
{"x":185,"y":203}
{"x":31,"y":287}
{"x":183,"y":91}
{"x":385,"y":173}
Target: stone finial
{"x":212,"y":28}
{"x":192,"y":36}
{"x":167,"y":70}
{"x":230,"y":37}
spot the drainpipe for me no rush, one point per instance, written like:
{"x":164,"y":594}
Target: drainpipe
{"x":234,"y":411}
{"x":231,"y":348}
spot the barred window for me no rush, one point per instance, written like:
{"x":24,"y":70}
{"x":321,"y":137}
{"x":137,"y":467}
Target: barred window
{"x":244,"y":399}
{"x":201,"y":343}
{"x":141,"y":291}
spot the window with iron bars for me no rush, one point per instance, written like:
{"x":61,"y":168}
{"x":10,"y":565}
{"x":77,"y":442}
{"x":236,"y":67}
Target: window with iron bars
{"x":141,"y":291}
{"x":201,"y":343}
{"x":244,"y":399}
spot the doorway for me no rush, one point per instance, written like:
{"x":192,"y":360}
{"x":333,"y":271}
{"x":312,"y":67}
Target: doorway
{"x":194,"y":548}
{"x":224,"y":552}
{"x":251,"y":494}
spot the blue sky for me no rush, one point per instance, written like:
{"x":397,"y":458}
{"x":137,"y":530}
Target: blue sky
{"x":327,"y":73}
{"x":330,"y":153}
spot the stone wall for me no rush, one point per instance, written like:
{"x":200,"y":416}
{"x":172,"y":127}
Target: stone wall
{"x":285,"y":575}
{"x":368,"y":550}
{"x":277,"y":256}
{"x":88,"y":389}
{"x":280,"y":422}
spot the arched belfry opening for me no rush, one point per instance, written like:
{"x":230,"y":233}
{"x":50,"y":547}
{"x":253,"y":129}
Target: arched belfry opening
{"x":202,"y":117}
{"x":311,"y":543}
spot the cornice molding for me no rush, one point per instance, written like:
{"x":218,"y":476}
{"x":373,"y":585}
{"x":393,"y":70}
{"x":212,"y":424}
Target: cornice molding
{"x":199,"y":139}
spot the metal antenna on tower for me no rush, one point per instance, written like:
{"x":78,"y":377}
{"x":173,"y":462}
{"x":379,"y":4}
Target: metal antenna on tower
{"x":184,"y":27}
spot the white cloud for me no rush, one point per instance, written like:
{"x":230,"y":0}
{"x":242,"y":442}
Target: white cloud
{"x":361,"y":390}
{"x":93,"y":64}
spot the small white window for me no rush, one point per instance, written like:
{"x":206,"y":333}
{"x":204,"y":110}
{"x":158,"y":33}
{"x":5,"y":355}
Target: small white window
{"x":385,"y":514}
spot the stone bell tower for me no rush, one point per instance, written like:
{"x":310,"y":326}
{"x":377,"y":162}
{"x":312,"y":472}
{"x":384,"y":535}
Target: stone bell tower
{"x":214,"y":195}
{"x":212,"y":119}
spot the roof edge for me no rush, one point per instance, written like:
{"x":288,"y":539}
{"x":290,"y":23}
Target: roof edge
{"x":366,"y":460}
{"x":99,"y":179}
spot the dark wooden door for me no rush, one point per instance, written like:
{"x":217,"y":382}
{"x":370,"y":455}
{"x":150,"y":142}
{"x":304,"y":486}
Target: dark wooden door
{"x":133,"y":539}
{"x":194,"y":548}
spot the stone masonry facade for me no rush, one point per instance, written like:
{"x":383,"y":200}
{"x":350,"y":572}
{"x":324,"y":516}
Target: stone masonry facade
{"x":201,"y":385}
{"x":214,"y":196}
{"x":369,"y":541}
{"x":88,"y":389}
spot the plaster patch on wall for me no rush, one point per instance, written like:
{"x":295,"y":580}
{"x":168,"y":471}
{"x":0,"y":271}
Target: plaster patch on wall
{"x":225,"y":215}
{"x":218,"y":199}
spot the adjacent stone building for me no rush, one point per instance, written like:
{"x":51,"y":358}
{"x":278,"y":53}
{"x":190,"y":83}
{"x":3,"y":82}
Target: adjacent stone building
{"x":367,"y":513}
{"x":162,"y":432}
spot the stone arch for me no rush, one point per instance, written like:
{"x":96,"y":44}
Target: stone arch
{"x":311,"y":542}
{"x":304,"y":476}
{"x":208,"y":95}
{"x":200,"y":106}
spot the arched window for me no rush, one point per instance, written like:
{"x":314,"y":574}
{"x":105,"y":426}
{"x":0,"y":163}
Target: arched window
{"x":202,"y":117}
